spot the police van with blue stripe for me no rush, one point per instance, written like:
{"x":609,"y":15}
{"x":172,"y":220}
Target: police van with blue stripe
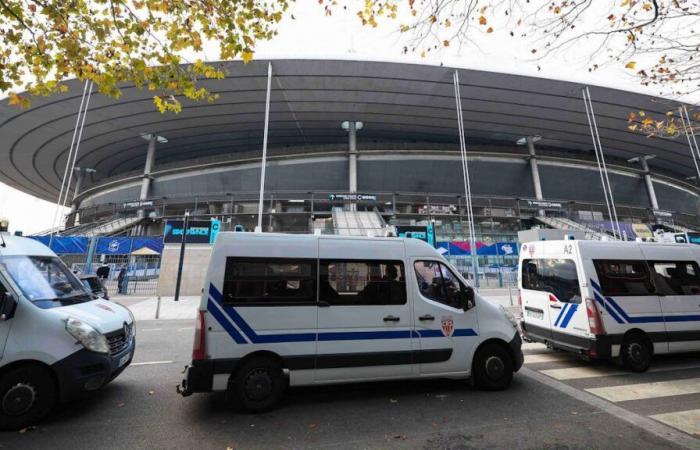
{"x":296,"y":310}
{"x":609,"y":300}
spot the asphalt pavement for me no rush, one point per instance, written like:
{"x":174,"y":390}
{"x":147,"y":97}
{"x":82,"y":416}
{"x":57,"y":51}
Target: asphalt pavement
{"x":141,"y":410}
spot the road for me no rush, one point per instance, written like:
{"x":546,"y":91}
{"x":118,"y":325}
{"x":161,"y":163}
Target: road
{"x":542,"y":410}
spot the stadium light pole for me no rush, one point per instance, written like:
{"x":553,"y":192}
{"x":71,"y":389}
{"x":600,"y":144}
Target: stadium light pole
{"x":646,"y":174}
{"x":466,"y":180}
{"x":263,"y":163}
{"x":690,"y":136}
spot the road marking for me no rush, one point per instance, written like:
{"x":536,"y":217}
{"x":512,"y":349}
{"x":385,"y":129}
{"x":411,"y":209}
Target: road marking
{"x":648,"y":390}
{"x":534,"y":358}
{"x":151,"y":329}
{"x":186,"y":329}
{"x":688,"y":421}
{"x":652,"y":426}
{"x":577,"y":373}
{"x":151,"y":363}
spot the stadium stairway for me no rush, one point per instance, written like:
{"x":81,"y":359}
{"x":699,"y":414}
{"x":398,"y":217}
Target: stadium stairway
{"x":561,"y":223}
{"x":358,"y":223}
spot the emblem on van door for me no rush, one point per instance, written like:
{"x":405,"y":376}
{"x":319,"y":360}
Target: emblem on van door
{"x":448,"y":326}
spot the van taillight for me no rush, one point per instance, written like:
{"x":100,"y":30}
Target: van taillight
{"x":594,"y":321}
{"x":552,"y":298}
{"x":199,"y":348}
{"x":520,"y":300}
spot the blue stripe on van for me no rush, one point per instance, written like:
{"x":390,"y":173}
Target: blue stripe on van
{"x":255,"y":338}
{"x":607,"y":307}
{"x":641,"y":319}
{"x":569,"y":314}
{"x":223,"y":321}
{"x":560,"y":315}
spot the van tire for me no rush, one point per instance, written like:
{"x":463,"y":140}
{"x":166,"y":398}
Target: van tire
{"x":257,"y":385}
{"x":636,"y":352}
{"x":492,"y":369}
{"x":27,"y":395}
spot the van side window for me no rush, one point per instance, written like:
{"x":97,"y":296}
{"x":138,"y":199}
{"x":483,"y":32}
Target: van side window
{"x":362,"y":282}
{"x":676,"y":277}
{"x":556,"y":276}
{"x":436,"y":282}
{"x":269,"y":282}
{"x":624,"y":277}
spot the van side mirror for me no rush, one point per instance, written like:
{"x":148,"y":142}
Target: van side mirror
{"x":7,"y":306}
{"x":467,"y":297}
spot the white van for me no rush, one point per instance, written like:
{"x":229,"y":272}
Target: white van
{"x":611,"y":299}
{"x":306,"y":309}
{"x":57,"y":340}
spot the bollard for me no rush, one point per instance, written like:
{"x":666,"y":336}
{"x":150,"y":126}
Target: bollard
{"x":158,"y":308}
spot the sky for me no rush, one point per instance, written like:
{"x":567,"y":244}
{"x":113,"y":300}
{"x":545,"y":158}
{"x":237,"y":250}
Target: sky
{"x":312,"y":34}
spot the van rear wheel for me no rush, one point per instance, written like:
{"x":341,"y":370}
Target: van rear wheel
{"x":257,"y":385}
{"x":27,"y":394}
{"x":493,"y":368}
{"x":636,"y":352}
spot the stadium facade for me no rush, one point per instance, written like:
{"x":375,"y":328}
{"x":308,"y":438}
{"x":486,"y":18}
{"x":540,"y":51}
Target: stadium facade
{"x":530,"y":153}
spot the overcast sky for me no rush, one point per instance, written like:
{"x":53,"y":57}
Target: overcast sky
{"x":313,"y":35}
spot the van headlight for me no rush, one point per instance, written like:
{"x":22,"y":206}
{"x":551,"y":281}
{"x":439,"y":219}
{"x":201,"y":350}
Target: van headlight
{"x":509,"y":315}
{"x":89,"y":337}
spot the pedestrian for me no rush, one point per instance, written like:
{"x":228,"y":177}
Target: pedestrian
{"x":121,"y":280}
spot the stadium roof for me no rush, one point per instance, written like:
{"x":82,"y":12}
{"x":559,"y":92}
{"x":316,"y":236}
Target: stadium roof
{"x":396,"y":102}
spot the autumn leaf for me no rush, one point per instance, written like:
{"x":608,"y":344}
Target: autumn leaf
{"x":489,"y":30}
{"x":482,"y":20}
{"x":631,"y":65}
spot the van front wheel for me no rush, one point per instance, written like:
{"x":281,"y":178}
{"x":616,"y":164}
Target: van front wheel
{"x":493,"y":368}
{"x":257,"y":385}
{"x":27,"y":394}
{"x":636,"y":353}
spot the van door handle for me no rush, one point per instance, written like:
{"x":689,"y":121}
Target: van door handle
{"x":555,"y":305}
{"x":391,"y":319}
{"x":426,"y":317}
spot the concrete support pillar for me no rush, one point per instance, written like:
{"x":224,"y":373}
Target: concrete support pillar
{"x":535,"y":172}
{"x":352,"y":156}
{"x":650,"y":185}
{"x":148,"y":167}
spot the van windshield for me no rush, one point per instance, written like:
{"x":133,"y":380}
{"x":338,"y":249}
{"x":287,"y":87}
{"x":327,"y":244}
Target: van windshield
{"x":44,"y":280}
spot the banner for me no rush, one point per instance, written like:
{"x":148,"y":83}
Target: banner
{"x":121,"y":245}
{"x":198,"y":231}
{"x":64,"y":245}
{"x":463,"y":248}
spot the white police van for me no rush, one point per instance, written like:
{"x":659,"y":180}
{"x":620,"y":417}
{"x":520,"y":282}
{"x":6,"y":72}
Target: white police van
{"x":627,"y":300}
{"x":57,"y":340}
{"x":307,"y":309}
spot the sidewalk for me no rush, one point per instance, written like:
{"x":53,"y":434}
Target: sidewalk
{"x":146,"y":309}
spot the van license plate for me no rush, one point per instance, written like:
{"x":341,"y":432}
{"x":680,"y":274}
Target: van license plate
{"x":124,"y":359}
{"x":535,"y":314}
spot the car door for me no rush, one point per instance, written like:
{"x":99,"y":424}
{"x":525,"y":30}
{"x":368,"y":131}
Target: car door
{"x":364,"y":317}
{"x":446,"y":325}
{"x":537,"y":304}
{"x":677,"y":283}
{"x":4,"y":324}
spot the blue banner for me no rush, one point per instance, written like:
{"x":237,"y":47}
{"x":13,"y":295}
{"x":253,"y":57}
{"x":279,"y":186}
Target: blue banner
{"x":78,"y":245}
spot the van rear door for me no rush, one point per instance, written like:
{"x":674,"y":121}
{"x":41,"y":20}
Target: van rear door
{"x":364,"y":317}
{"x":535,"y":301}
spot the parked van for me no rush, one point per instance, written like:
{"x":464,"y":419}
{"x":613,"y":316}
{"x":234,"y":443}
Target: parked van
{"x":627,"y":300}
{"x":57,"y":340}
{"x":311,"y":309}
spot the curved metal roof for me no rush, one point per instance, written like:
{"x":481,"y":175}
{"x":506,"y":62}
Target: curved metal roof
{"x":398,"y":103}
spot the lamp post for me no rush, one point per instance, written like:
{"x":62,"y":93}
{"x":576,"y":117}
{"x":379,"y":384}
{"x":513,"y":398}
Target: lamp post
{"x":182,"y":255}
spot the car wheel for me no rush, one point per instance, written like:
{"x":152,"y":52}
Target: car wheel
{"x":27,"y":394}
{"x":257,"y":386}
{"x":492,"y":368}
{"x":636,"y":353}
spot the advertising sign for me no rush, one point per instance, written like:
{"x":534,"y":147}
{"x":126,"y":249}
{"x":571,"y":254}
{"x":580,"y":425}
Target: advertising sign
{"x":198,"y":231}
{"x":422,"y":232}
{"x":353,"y":197}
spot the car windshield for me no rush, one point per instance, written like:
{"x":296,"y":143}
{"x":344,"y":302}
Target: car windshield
{"x":44,"y":278}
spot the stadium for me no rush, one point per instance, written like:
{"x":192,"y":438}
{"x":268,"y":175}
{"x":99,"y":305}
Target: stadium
{"x":356,"y":146}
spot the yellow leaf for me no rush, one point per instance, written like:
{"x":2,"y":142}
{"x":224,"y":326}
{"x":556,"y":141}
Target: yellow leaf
{"x":631,"y":65}
{"x":247,"y":56}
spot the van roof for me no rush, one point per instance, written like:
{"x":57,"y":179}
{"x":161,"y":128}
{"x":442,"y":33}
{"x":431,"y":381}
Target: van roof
{"x":612,"y":244}
{"x":413,"y":246}
{"x":17,"y":245}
